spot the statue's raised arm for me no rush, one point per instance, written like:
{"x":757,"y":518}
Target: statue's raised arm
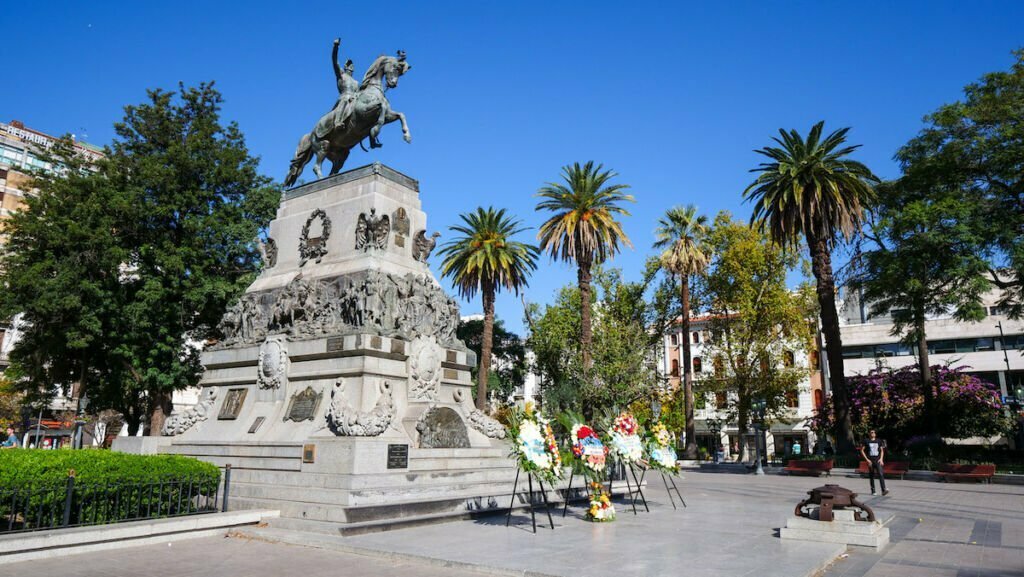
{"x":334,"y":59}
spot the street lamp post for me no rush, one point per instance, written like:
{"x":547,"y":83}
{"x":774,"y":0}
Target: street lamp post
{"x":759,"y":406}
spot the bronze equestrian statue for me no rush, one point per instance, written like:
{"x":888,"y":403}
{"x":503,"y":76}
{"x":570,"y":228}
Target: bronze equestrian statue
{"x":360,"y":112}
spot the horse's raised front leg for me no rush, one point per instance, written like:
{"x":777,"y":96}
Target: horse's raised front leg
{"x":394,"y":115}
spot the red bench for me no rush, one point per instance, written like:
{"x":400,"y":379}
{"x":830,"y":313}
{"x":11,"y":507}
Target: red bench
{"x":890,"y":468}
{"x":981,"y":473}
{"x":816,"y":468}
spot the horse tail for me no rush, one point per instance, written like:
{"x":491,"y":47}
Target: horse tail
{"x":303,"y":154}
{"x":363,"y":147}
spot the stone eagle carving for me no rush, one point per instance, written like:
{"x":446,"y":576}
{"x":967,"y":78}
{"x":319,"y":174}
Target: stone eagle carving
{"x":422,"y":246}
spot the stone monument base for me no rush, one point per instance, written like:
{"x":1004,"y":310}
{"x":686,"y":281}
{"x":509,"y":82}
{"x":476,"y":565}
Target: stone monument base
{"x":843,"y":529}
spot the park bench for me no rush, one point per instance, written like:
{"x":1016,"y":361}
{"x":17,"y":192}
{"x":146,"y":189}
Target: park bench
{"x":953,"y":472}
{"x":816,"y":468}
{"x":890,"y":468}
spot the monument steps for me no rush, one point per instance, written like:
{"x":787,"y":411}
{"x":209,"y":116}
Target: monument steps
{"x":269,"y":450}
{"x":361,"y":497}
{"x":402,"y":478}
{"x":257,"y":463}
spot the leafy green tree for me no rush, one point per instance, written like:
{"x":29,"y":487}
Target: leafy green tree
{"x":680,"y":236}
{"x":123,"y":272}
{"x":926,"y":259}
{"x":623,"y":369}
{"x":486,"y":259}
{"x":507,"y":348}
{"x":809,"y":189}
{"x":756,"y":323}
{"x":584,"y":229}
{"x":973,"y":148}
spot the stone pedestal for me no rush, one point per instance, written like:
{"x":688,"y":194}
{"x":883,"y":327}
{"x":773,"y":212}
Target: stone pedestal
{"x":843,"y":529}
{"x":340,"y":384}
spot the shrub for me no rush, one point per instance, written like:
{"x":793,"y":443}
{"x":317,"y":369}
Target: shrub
{"x":108,"y":487}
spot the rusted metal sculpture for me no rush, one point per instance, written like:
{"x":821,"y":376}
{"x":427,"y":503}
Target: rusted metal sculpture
{"x":829,"y":497}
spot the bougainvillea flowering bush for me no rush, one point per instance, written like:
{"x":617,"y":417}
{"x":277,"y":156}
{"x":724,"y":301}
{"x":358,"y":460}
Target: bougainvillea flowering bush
{"x":891,"y":401}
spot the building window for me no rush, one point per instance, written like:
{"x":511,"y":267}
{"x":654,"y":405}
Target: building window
{"x":697,"y":365}
{"x":819,"y":399}
{"x":721,"y":400}
{"x":675,"y":367}
{"x":792,"y":399}
{"x":696,"y":337}
{"x":675,"y":339}
{"x":788,"y":359}
{"x":719,"y":364}
{"x":814,"y":359}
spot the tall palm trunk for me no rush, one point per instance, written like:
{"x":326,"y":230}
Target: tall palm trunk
{"x":691,"y":426}
{"x":586,"y":331}
{"x":486,"y":345}
{"x":821,"y":266}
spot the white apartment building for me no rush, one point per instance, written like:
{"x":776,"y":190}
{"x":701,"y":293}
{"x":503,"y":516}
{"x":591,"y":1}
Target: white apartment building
{"x":781,"y":435}
{"x":993,"y":348}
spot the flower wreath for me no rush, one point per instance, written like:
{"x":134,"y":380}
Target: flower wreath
{"x":661,"y":454}
{"x":534,"y":444}
{"x":588,"y":450}
{"x":625,"y":438}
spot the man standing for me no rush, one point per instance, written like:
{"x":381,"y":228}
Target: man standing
{"x":873,"y":451}
{"x":12,"y":440}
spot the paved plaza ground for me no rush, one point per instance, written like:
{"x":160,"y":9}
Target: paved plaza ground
{"x":729,"y":529}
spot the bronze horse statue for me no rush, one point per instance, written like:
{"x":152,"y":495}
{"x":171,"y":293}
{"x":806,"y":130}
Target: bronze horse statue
{"x":348,"y":124}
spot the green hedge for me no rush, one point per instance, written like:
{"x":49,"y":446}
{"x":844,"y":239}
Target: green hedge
{"x":108,"y":487}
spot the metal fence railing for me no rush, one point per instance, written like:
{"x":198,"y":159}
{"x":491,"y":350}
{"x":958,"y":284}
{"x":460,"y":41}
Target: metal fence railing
{"x":75,"y":504}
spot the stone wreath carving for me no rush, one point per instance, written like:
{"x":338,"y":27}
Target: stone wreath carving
{"x":344,"y":420}
{"x":372,"y":231}
{"x":314,"y":248}
{"x":179,"y":423}
{"x":372,"y":302}
{"x":272,"y":368}
{"x":482,"y":422}
{"x":425,"y":355}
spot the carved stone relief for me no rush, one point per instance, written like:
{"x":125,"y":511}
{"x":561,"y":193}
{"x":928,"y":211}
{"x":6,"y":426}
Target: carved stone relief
{"x":406,"y":307}
{"x":179,"y":423}
{"x":344,"y":420}
{"x":442,"y":428}
{"x":372,"y":231}
{"x":314,"y":248}
{"x":482,"y":422}
{"x":400,"y":222}
{"x":425,"y":356}
{"x":423,"y":246}
{"x":268,"y":252}
{"x":272,"y":368}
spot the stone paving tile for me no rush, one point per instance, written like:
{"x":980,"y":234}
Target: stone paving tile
{"x":222,"y":557}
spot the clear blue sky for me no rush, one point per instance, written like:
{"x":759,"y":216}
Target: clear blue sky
{"x":673,"y":96}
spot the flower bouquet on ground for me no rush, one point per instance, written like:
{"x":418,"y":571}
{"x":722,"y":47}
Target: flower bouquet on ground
{"x":661,"y":454}
{"x":533,"y":444}
{"x":624,"y":438}
{"x":601,"y":509}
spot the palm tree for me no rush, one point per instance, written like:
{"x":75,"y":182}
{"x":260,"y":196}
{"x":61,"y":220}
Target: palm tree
{"x":485,"y":258}
{"x":810,"y":189}
{"x":680,"y":234}
{"x":583,"y":229}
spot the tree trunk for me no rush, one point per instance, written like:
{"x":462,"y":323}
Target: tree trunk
{"x":485,"y":349}
{"x":821,"y":265}
{"x":923,"y":363}
{"x":743,"y":421}
{"x":133,"y":422}
{"x":160,"y":409}
{"x":691,"y":427}
{"x":586,"y":331}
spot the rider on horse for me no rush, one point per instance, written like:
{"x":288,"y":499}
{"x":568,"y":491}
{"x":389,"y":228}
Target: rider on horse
{"x":348,"y":89}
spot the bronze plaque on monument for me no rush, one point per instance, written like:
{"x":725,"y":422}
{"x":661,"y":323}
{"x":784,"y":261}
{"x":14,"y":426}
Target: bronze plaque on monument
{"x":303,"y":405}
{"x":442,"y":428}
{"x":335,"y":344}
{"x":398,"y":456}
{"x":256,"y":424}
{"x":232,"y":404}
